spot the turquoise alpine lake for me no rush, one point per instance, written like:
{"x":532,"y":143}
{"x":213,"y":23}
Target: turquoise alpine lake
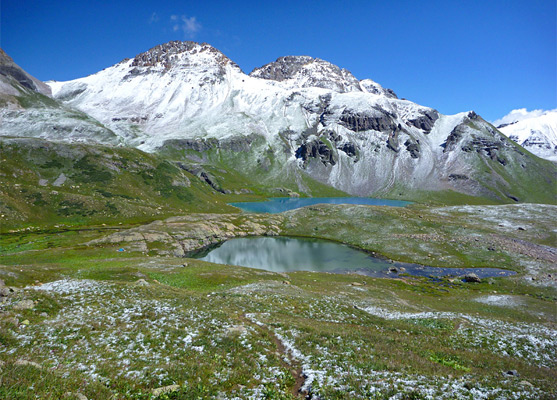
{"x":288,"y":254}
{"x":280,"y":204}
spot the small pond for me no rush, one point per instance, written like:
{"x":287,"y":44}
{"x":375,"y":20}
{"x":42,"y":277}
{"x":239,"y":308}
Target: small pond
{"x":280,"y":204}
{"x":286,"y":254}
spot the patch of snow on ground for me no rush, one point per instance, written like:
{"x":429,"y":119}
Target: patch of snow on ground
{"x":500,"y":300}
{"x":534,"y":343}
{"x":69,"y":286}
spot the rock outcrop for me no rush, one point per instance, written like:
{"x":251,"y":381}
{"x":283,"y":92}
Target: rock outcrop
{"x":180,"y":236}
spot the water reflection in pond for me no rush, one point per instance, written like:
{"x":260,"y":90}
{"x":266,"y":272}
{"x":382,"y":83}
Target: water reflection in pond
{"x":280,"y":204}
{"x":286,"y":254}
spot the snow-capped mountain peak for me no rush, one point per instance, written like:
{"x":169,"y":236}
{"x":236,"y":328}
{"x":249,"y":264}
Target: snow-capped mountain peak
{"x":186,"y":55}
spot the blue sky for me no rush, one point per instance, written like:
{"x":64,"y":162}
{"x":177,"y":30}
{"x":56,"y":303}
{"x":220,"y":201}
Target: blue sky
{"x":488,"y":56}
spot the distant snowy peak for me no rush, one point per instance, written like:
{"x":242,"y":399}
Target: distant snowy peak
{"x":536,"y":134}
{"x":305,"y":71}
{"x":181,"y":55}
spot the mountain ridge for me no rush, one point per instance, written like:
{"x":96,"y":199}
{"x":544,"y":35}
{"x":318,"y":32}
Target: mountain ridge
{"x":191,"y":101}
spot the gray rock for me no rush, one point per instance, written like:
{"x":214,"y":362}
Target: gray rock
{"x":360,"y":121}
{"x":473,"y":278}
{"x":318,"y":150}
{"x":24,"y":305}
{"x":425,"y":121}
{"x":142,"y":282}
{"x":165,"y":389}
{"x":413,"y":148}
{"x":60,"y":180}
{"x":243,"y":191}
{"x":5,"y":291}
{"x":512,"y":372}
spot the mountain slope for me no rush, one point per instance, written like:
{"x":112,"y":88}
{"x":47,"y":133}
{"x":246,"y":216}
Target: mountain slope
{"x":301,"y":117}
{"x":27,"y":110}
{"x":11,"y":72}
{"x":43,"y":182}
{"x":538,"y":134}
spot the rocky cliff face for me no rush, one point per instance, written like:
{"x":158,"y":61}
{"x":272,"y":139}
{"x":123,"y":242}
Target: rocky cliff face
{"x":296,"y":117}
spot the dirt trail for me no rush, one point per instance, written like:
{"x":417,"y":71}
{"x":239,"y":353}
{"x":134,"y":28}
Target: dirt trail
{"x":288,"y":361}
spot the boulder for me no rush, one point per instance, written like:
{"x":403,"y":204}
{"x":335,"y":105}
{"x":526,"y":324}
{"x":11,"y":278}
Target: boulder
{"x":473,"y":278}
{"x":4,"y":290}
{"x":24,"y":305}
{"x":165,"y":389}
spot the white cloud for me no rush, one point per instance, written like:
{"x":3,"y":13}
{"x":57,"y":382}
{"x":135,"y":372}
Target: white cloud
{"x":190,"y":26}
{"x":154,"y":18}
{"x":520,"y":114}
